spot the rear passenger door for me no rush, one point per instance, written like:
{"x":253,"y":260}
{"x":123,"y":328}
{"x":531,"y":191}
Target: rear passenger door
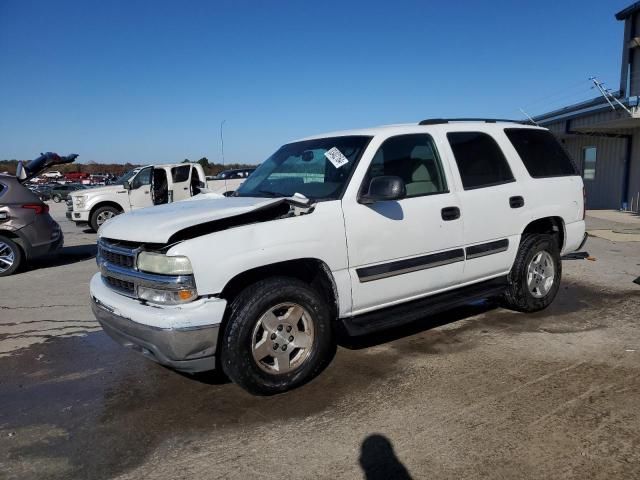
{"x":181,"y":182}
{"x":410,"y":247}
{"x":492,"y":203}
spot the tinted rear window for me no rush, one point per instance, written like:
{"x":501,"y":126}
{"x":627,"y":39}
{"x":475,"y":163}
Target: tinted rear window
{"x":480,"y":160}
{"x":541,"y":153}
{"x":180,"y":174}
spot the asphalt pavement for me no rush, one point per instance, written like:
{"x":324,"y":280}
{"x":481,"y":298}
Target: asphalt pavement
{"x":479,"y":392}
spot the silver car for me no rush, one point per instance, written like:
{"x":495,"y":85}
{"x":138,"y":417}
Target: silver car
{"x":27,"y":230}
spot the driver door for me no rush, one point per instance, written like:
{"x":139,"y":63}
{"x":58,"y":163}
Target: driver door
{"x":407,"y":248}
{"x":140,"y":192}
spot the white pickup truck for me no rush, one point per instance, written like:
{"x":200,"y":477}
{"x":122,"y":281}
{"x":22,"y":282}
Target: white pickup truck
{"x":363,"y":229}
{"x":139,"y":188}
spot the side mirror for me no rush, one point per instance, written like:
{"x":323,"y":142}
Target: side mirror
{"x":126,"y":185}
{"x":384,"y":188}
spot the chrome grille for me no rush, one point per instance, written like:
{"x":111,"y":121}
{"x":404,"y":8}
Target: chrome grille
{"x":124,"y":286}
{"x":118,"y":258}
{"x":116,"y":254}
{"x":117,"y":263}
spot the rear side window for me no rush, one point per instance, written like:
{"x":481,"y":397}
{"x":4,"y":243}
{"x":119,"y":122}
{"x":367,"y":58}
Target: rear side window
{"x":480,"y":160}
{"x":180,"y":174}
{"x":541,"y":153}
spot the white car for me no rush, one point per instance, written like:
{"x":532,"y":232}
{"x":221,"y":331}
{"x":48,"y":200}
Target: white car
{"x":141,"y":187}
{"x":228,"y":181}
{"x":55,"y":174}
{"x":366,"y":229}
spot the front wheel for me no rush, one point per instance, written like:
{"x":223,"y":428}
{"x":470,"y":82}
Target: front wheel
{"x":278,"y":336}
{"x":56,"y":198}
{"x":535,"y":276}
{"x":101,"y":215}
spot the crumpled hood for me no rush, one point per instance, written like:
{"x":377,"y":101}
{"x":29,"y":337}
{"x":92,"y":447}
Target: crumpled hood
{"x":158,"y":224}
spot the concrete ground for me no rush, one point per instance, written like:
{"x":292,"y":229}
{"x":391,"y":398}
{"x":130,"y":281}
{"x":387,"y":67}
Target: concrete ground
{"x":479,"y":392}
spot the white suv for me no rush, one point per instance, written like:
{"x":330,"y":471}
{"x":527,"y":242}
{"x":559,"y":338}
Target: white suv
{"x":366,"y":229}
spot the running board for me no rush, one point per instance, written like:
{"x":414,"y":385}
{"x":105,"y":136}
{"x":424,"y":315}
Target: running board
{"x":417,"y":309}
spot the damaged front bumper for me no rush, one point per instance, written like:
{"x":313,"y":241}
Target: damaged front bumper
{"x":180,"y":337}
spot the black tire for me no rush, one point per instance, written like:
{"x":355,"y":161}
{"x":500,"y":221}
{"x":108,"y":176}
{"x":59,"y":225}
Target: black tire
{"x":518,"y":295}
{"x":238,"y":335}
{"x":56,"y":198}
{"x":18,"y":257}
{"x":93,"y":221}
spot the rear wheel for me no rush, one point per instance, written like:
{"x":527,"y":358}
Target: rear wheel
{"x":101,"y":215}
{"x":56,"y":198}
{"x":536,"y":273}
{"x":10,"y":256}
{"x":278,"y":336}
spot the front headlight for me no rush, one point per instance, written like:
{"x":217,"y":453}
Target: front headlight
{"x":163,"y":264}
{"x":167,"y":297}
{"x":80,"y":201}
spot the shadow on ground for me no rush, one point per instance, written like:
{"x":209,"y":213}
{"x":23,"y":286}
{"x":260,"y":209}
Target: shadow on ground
{"x":63,"y":395}
{"x":64,"y":256}
{"x":379,"y":461}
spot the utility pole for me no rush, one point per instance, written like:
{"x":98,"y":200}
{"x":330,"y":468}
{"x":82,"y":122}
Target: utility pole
{"x":222,"y":148}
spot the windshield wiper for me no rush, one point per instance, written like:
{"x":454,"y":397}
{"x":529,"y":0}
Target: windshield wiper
{"x":271,"y":194}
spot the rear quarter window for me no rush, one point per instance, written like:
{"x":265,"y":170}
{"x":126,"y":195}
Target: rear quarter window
{"x":541,"y":153}
{"x":180,"y":174}
{"x":480,"y":160}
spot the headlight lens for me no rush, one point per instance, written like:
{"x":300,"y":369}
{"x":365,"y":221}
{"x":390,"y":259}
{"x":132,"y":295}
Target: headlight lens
{"x":79,"y":201}
{"x":163,"y":264}
{"x":167,"y":297}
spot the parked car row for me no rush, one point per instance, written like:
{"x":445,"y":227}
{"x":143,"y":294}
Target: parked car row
{"x":56,"y":191}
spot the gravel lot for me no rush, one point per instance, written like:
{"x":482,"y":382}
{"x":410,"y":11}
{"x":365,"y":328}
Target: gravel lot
{"x":479,"y":392}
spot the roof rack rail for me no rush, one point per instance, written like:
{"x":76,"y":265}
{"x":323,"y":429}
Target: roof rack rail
{"x":437,"y":121}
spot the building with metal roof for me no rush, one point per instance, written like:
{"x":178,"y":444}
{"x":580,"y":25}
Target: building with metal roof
{"x":603,"y":134}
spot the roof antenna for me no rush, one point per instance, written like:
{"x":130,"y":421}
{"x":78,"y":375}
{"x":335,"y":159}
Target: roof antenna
{"x":222,"y":147}
{"x":530,"y":119}
{"x":606,"y":93}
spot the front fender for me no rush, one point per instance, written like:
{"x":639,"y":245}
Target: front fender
{"x":119,"y":199}
{"x":219,"y":257}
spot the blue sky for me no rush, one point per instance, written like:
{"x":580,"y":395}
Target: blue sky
{"x":150,"y":81}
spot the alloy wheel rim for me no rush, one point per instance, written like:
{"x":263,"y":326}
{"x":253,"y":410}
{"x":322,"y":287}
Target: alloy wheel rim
{"x":541,"y":274}
{"x":103,"y":217}
{"x":7,"y":257}
{"x":282,"y":338}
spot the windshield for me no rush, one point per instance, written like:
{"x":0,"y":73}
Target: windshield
{"x":127,"y":176}
{"x":318,"y":169}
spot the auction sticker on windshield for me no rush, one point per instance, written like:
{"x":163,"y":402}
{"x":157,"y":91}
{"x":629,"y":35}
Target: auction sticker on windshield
{"x":336,"y":157}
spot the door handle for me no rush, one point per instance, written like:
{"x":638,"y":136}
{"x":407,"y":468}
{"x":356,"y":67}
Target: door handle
{"x":450,"y":213}
{"x":516,"y":202}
